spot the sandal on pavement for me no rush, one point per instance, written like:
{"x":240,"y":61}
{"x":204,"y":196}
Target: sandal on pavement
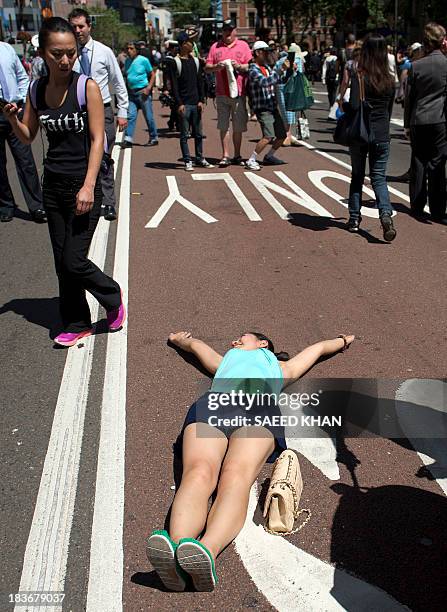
{"x":195,"y":559}
{"x":160,"y":550}
{"x":225,"y":162}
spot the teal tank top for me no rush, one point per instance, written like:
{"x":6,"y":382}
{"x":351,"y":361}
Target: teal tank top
{"x":249,"y":371}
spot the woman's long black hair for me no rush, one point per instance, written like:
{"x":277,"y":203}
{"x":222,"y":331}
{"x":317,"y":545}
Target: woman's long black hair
{"x":282,"y":356}
{"x":374,"y":63}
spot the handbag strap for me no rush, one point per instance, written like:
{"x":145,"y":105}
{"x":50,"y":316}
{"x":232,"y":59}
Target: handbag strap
{"x":361,"y":87}
{"x":296,"y":512}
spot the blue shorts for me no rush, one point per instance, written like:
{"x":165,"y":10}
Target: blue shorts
{"x":200,"y":412}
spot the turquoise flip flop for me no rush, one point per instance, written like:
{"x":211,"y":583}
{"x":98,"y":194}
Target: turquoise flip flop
{"x":160,"y":550}
{"x":196,"y":560}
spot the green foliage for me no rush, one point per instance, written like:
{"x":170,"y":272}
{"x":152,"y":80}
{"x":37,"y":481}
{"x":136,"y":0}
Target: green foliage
{"x":109,"y":30}
{"x":194,"y":8}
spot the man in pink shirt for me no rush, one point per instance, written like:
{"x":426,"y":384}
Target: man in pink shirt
{"x":229,"y":105}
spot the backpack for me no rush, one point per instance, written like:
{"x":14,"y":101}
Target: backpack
{"x":331,"y":70}
{"x":178,"y":62}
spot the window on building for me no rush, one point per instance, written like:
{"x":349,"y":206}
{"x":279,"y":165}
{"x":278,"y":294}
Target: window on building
{"x":251,"y":19}
{"x":233,"y":17}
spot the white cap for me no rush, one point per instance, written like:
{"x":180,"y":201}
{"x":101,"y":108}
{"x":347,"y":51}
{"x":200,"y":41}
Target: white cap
{"x":415,"y":46}
{"x":35,"y":41}
{"x":260,"y":44}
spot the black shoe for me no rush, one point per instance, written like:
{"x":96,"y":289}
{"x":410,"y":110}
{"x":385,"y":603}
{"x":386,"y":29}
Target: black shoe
{"x":109,"y":212}
{"x":441,"y":220}
{"x":39,"y":216}
{"x":126,"y":144}
{"x":389,"y":232}
{"x":4,"y":218}
{"x":353,"y":225}
{"x":152,"y":143}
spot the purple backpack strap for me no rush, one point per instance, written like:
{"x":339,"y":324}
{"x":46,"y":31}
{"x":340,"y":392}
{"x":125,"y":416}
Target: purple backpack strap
{"x":81,"y":90}
{"x":81,"y":93}
{"x":33,"y":93}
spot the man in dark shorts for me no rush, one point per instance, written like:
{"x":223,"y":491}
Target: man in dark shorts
{"x":261,"y":86}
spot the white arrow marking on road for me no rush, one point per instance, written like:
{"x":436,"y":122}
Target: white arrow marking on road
{"x":174,"y":196}
{"x":45,"y":560}
{"x":416,"y":424}
{"x":247,"y":207}
{"x":292,"y":579}
{"x":317,"y":176}
{"x":297,"y":195}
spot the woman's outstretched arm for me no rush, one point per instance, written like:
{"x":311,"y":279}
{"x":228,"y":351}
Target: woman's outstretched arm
{"x":207,"y":356}
{"x":298,"y":365}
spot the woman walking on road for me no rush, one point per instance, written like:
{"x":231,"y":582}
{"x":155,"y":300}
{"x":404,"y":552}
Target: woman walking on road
{"x":69,"y":107}
{"x":373,"y":75}
{"x":226,"y":457}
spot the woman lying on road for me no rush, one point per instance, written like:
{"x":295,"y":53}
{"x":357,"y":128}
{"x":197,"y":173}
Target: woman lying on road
{"x":226,"y":458}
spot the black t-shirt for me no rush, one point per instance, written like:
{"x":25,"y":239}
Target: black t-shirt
{"x":188,"y":87}
{"x":67,"y":131}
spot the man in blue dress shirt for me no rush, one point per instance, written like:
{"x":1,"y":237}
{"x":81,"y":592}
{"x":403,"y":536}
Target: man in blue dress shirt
{"x":14,"y":83}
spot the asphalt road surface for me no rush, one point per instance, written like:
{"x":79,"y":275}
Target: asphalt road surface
{"x":87,"y":463}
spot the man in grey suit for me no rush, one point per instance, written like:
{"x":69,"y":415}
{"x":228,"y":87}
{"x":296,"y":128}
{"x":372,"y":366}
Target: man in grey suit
{"x":425,"y":126}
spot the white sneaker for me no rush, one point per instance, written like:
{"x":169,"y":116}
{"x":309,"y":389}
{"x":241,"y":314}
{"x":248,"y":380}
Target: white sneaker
{"x":252,"y":164}
{"x":203,"y":163}
{"x":188,"y":166}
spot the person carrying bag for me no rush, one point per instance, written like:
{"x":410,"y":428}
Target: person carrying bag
{"x":352,"y":128}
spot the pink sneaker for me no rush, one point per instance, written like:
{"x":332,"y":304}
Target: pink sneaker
{"x":116,"y":318}
{"x":70,"y":339}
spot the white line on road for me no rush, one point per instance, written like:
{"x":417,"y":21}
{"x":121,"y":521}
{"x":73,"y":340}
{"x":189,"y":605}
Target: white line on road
{"x":45,"y":559}
{"x":392,"y":190}
{"x":235,"y":190}
{"x":106,"y":553}
{"x":173,"y":197}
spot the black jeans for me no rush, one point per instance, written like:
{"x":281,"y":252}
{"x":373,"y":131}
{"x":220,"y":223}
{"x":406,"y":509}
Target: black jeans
{"x":192,"y":116}
{"x":427,"y":174}
{"x":331,"y":86}
{"x":71,"y":236}
{"x":26,"y":171}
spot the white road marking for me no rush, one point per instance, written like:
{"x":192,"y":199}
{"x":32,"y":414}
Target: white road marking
{"x":106,"y":552}
{"x":421,"y":407}
{"x":174,"y":196}
{"x":297,"y":194}
{"x":45,"y":559}
{"x":396,"y":192}
{"x":247,"y":207}
{"x":317,"y":177}
{"x":289,"y":577}
{"x":399,"y":122}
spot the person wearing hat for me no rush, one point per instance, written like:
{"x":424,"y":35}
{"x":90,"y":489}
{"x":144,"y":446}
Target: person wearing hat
{"x":230,"y":108}
{"x":296,"y":56}
{"x":193,"y":34}
{"x":167,"y":71}
{"x":261,"y":84}
{"x":188,"y":90}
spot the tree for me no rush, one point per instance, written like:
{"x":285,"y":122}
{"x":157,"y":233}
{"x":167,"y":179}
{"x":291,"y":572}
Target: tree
{"x":193,"y":8}
{"x":109,"y":29}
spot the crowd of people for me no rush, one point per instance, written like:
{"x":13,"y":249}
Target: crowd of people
{"x":70,"y":99}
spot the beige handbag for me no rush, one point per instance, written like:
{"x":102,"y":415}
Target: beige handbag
{"x":283,"y":497}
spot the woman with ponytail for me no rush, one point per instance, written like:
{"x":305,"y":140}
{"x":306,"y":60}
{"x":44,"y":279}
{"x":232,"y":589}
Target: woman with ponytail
{"x":72,"y":193}
{"x":220,"y":452}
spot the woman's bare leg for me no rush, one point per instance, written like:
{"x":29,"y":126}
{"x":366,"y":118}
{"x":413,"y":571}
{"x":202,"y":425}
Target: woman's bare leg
{"x":202,"y":460}
{"x":242,"y":464}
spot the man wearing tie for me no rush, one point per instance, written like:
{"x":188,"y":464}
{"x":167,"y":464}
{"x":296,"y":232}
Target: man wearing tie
{"x":14,"y":84}
{"x":99,"y":62}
